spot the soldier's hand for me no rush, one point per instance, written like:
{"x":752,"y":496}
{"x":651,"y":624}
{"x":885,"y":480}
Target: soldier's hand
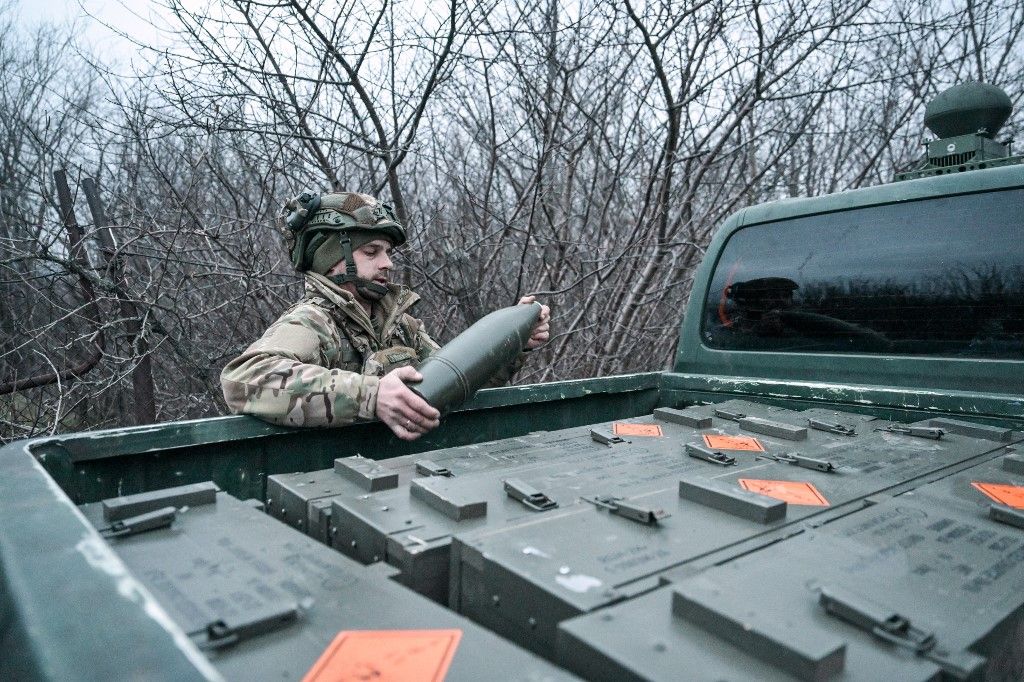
{"x":405,"y":413}
{"x":542,"y":328}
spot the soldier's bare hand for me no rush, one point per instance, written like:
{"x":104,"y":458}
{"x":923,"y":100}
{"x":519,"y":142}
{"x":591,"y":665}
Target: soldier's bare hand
{"x":406,"y":414}
{"x":541,"y":331}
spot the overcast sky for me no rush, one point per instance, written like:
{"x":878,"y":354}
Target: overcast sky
{"x":94,"y":17}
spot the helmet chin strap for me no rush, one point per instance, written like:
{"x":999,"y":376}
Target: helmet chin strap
{"x":366,"y":288}
{"x":370,"y":290}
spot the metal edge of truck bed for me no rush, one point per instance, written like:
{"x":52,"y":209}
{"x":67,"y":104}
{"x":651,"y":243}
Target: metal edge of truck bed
{"x":899,"y":403}
{"x":238,"y":452}
{"x":68,"y":602}
{"x":137,"y":439}
{"x":66,"y":597}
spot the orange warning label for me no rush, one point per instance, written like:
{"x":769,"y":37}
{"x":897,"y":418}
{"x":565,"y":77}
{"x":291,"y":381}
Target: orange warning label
{"x":399,"y":655}
{"x":1010,"y":495}
{"x":733,"y":443}
{"x":793,"y":492}
{"x":629,"y":429}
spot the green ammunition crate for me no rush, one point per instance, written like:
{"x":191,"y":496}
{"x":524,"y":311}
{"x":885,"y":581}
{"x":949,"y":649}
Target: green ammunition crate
{"x":411,"y":526}
{"x":912,"y":588}
{"x":268,"y":609}
{"x":303,"y":499}
{"x":523,"y":579}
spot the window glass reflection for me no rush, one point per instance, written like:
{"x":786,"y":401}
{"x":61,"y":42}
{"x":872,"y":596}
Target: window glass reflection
{"x":934,"y":277}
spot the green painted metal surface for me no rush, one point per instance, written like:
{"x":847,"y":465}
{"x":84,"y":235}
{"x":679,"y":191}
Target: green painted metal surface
{"x":238,"y":453}
{"x":68,"y":600}
{"x":581,"y":561}
{"x":208,"y":570}
{"x":943,"y":374}
{"x":887,"y":402}
{"x":968,"y":108}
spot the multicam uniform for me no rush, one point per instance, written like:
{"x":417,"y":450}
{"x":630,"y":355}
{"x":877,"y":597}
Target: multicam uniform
{"x":320,"y":363}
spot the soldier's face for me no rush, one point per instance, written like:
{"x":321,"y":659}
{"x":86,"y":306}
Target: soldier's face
{"x":373,"y":261}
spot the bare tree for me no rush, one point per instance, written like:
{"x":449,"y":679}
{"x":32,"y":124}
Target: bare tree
{"x":585,"y":152}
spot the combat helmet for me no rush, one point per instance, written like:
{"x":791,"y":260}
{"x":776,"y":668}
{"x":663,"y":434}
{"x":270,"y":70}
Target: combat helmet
{"x":323,"y":229}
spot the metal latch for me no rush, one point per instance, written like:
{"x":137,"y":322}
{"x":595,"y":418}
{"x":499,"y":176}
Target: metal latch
{"x":732,"y":416}
{"x":629,"y":510}
{"x":606,"y":437}
{"x":1007,"y":515}
{"x":796,"y":459}
{"x":425,"y":467}
{"x":831,"y":427}
{"x":224,"y":632}
{"x":528,"y":495}
{"x":713,"y":456}
{"x":916,"y":431}
{"x":879,"y":620}
{"x":892,"y":627}
{"x":160,"y":518}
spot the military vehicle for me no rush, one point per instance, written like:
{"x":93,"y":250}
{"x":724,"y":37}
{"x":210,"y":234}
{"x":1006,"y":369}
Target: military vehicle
{"x":826,"y":485}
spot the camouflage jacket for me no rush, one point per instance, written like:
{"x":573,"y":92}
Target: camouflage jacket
{"x":319,"y":364}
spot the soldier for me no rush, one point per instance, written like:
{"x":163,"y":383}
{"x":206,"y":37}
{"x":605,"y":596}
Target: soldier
{"x":344,"y":351}
{"x":765,"y":316}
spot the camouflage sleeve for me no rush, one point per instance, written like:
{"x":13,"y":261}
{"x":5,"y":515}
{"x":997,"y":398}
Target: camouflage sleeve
{"x":283,"y":377}
{"x":421,"y":341}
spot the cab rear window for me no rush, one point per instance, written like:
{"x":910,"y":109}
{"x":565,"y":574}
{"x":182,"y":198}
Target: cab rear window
{"x":934,"y":277}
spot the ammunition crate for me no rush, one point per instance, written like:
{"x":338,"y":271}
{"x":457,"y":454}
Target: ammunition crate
{"x":522,"y":577}
{"x":265,"y":602}
{"x":912,"y":588}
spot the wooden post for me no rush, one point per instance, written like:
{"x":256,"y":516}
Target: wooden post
{"x":142,"y":374}
{"x":67,"y":216}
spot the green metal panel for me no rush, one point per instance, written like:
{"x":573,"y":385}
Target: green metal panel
{"x":68,"y":601}
{"x":411,"y":526}
{"x":207,"y":569}
{"x":949,"y":185}
{"x":290,"y":496}
{"x":238,"y":453}
{"x":942,"y":564}
{"x":50,"y":556}
{"x":578,"y":560}
{"x":959,"y":374}
{"x":881,"y":400}
{"x":128,"y":461}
